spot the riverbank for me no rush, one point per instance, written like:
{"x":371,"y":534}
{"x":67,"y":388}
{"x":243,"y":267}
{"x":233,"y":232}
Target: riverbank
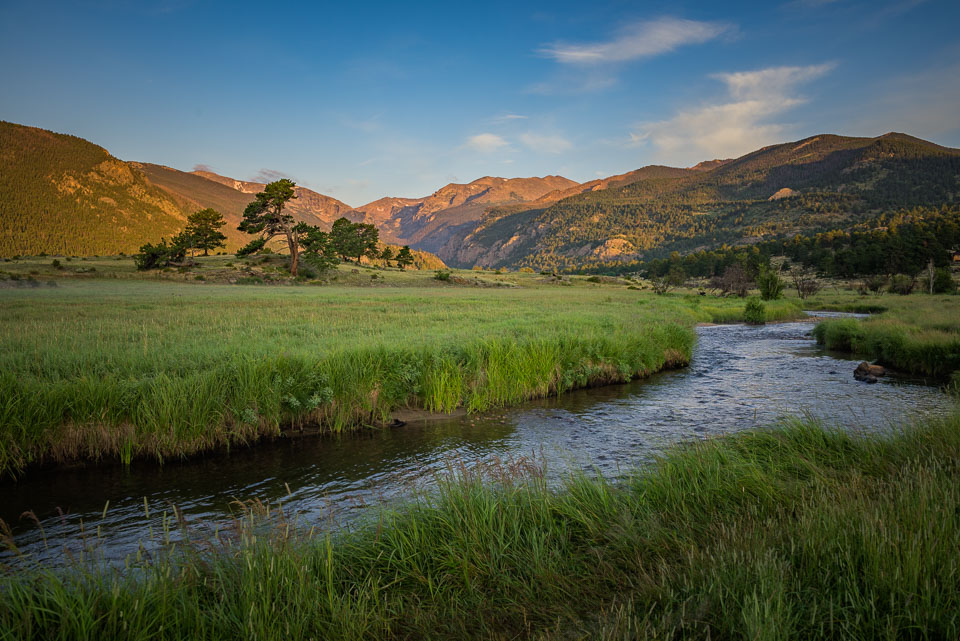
{"x":798,"y":532}
{"x":121,"y":370}
{"x":917,"y":334}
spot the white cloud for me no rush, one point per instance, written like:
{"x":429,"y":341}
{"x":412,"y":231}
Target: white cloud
{"x":548,"y":144}
{"x":638,"y":40}
{"x":509,"y":117}
{"x":486,"y":143}
{"x":736,"y":125}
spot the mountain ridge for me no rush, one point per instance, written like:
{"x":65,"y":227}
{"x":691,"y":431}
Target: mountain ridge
{"x":63,"y":194}
{"x":833,"y":179}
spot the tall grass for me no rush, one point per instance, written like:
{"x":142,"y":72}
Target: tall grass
{"x":122,"y":370}
{"x":918,"y":334}
{"x":795,"y":533}
{"x":125,"y":369}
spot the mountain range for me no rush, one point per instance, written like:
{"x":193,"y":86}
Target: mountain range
{"x":61,"y":194}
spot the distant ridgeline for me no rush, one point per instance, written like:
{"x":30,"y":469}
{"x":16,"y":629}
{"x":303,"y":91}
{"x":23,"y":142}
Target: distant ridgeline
{"x":815,"y":185}
{"x":63,"y":195}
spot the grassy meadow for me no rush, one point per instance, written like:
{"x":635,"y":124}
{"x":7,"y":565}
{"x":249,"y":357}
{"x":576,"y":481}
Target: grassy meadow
{"x":918,"y":334}
{"x":99,"y":367}
{"x":791,"y":533}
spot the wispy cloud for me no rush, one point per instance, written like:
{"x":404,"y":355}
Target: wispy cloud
{"x":486,"y":143}
{"x":270,"y":175}
{"x":739,"y":123}
{"x":638,"y":40}
{"x":199,"y":167}
{"x":545,"y":143}
{"x":509,"y":118}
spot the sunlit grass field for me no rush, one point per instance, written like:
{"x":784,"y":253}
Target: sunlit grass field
{"x":119,"y":369}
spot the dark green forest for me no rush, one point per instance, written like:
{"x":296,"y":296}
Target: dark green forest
{"x":64,"y":195}
{"x":899,"y":243}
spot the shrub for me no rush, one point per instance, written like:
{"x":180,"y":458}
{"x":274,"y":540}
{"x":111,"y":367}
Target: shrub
{"x":754,"y":313}
{"x":441,"y":275}
{"x":307,"y":270}
{"x":770,"y":284}
{"x":805,"y":283}
{"x":943,"y":282}
{"x":159,"y":255}
{"x":903,"y":284}
{"x":873,"y":284}
{"x":735,"y":280}
{"x":56,"y":264}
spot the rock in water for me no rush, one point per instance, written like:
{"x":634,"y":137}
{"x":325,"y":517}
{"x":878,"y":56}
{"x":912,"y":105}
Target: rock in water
{"x":868,"y":373}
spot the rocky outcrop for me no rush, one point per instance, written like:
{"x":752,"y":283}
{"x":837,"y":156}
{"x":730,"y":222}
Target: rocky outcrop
{"x":786,"y":192}
{"x":438,"y":222}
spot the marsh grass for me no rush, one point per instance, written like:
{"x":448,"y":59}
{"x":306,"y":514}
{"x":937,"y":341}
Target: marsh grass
{"x":795,"y":533}
{"x":918,"y":334}
{"x":118,"y":369}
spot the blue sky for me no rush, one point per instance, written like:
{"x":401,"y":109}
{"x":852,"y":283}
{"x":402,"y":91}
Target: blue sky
{"x":364,"y":100}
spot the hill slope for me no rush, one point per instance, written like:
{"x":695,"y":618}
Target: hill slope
{"x":61,"y":194}
{"x":64,"y":195}
{"x":780,"y":190}
{"x":428,"y":223}
{"x":309,"y":206}
{"x":199,"y":189}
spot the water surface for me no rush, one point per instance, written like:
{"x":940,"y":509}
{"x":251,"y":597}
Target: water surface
{"x":740,"y":377}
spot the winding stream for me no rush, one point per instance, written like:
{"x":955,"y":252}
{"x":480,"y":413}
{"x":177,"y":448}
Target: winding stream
{"x":740,"y":377}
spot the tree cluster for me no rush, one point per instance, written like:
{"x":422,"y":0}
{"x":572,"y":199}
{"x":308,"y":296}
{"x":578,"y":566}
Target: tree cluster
{"x":201,"y":232}
{"x":345,"y":241}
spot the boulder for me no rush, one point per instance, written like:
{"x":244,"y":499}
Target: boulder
{"x":868,"y":372}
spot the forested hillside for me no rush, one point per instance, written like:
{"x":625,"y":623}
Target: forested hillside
{"x":61,"y":194}
{"x":817,"y":184}
{"x":64,"y":195}
{"x":901,"y":242}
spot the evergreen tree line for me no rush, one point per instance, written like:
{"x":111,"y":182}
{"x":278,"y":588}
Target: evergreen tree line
{"x":900,"y":243}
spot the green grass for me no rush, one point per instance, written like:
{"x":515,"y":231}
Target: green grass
{"x":918,"y":334}
{"x":794,"y":533}
{"x":119,"y":369}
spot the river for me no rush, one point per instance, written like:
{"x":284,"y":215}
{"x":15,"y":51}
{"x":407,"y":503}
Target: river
{"x":740,"y":377}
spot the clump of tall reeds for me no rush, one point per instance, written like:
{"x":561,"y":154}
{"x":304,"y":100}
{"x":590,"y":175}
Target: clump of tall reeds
{"x":927,"y":346}
{"x":241,"y":399}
